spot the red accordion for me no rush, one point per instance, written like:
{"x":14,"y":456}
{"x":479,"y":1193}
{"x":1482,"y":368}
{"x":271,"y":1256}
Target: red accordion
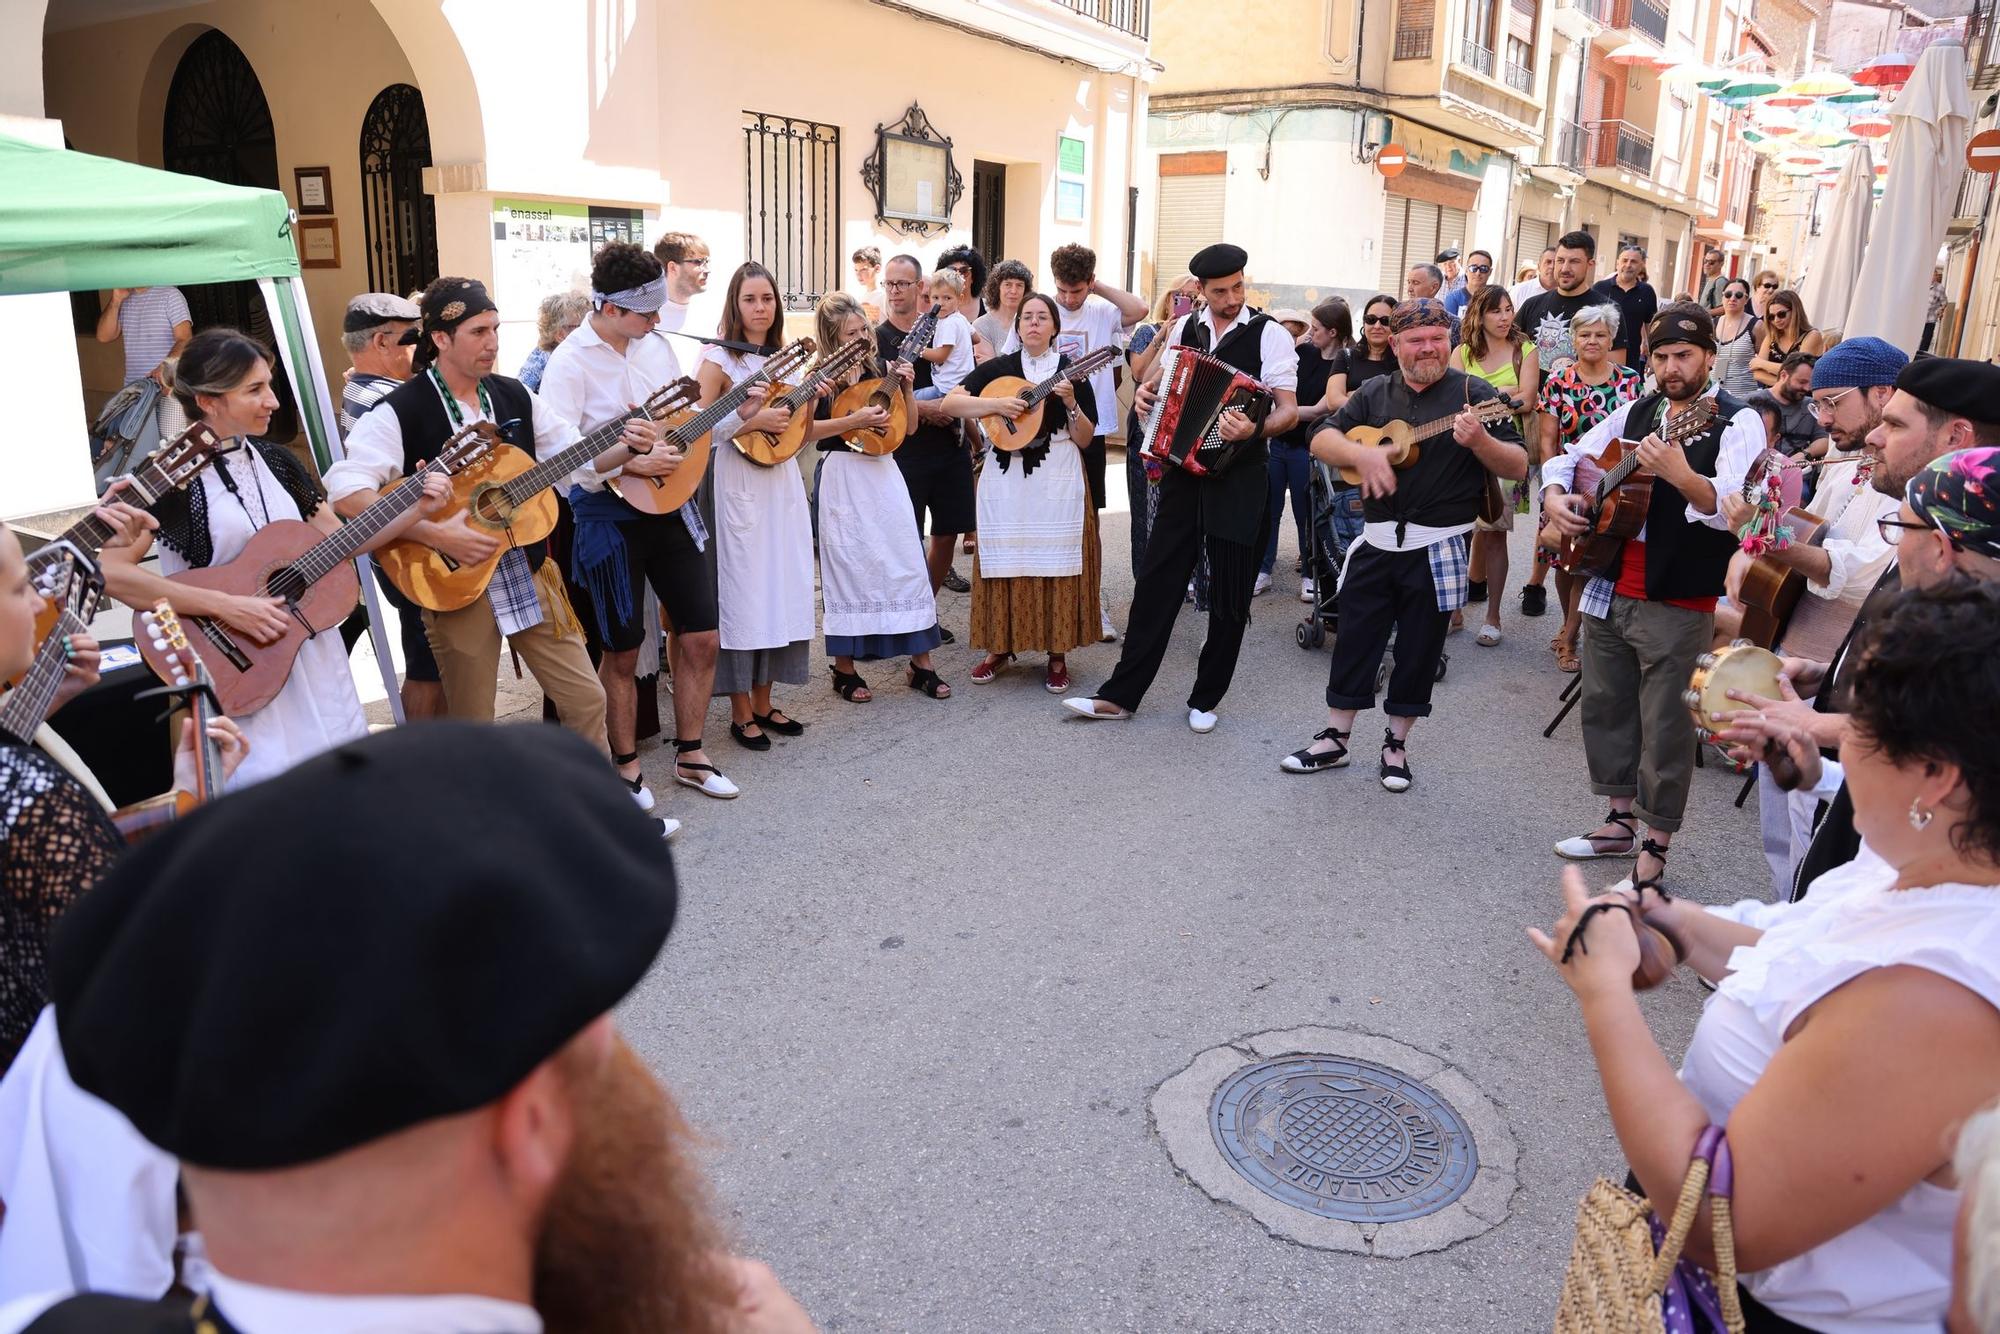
{"x":1195,"y":390}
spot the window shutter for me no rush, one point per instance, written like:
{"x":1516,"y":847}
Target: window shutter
{"x":1190,"y":217}
{"x":1395,"y":221}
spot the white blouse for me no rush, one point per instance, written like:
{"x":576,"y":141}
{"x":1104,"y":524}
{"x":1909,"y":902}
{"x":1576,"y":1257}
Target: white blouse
{"x":1892,"y":1273}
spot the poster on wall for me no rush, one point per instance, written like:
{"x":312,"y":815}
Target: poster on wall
{"x":1070,"y":178}
{"x":540,"y":248}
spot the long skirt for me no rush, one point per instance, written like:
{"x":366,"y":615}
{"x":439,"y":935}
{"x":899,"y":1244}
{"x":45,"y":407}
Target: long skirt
{"x":1039,"y":615}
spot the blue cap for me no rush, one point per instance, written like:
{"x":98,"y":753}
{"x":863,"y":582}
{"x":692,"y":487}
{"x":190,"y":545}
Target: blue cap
{"x":1862,"y":362}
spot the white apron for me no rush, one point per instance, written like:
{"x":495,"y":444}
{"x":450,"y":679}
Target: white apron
{"x":873,"y":580}
{"x":763,"y":540}
{"x":1031,"y":524}
{"x":318,"y":709}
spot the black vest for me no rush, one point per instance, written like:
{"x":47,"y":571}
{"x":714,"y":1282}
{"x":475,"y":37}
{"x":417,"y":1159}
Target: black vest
{"x":1684,"y":561}
{"x":426,"y":425}
{"x":1233,"y":505}
{"x":96,"y":1313}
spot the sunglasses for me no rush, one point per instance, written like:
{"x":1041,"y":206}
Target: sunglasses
{"x":1768,"y":287}
{"x":1374,"y":319}
{"x":1479,"y":268}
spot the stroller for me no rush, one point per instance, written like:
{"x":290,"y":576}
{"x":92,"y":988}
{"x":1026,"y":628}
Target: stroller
{"x":1336,"y":522}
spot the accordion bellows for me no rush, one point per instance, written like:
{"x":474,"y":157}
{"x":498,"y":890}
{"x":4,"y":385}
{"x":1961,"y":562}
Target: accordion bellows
{"x":1195,"y":390}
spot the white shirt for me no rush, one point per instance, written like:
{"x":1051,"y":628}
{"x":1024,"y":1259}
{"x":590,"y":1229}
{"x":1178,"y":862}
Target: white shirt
{"x":1097,"y":323}
{"x":1275,"y":348}
{"x":1892,"y":1273}
{"x":589,"y":382}
{"x":1742,"y":446}
{"x":255,"y":1309}
{"x":1528,"y":287}
{"x":375,"y":449}
{"x":1853,"y":543}
{"x":955,"y":333}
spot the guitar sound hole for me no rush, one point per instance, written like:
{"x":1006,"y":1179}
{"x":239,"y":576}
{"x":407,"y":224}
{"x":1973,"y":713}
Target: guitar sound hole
{"x":285,"y":582}
{"x":490,"y":507}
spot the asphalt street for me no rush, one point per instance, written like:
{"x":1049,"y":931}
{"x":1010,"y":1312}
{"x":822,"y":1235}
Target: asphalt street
{"x":933,"y":963}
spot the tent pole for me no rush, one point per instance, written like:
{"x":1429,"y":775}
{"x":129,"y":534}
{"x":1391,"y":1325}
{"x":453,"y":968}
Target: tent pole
{"x":293,"y":316}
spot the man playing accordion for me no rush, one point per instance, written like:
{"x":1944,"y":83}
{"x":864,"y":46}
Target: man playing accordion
{"x":1222,"y":511}
{"x":1406,"y":573}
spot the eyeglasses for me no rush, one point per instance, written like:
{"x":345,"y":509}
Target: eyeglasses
{"x":1479,"y":268}
{"x":962,"y":269}
{"x":1374,"y":319}
{"x":1768,"y":287}
{"x":898,"y":284}
{"x":692,"y":263}
{"x":1822,"y":408}
{"x":1892,"y":529}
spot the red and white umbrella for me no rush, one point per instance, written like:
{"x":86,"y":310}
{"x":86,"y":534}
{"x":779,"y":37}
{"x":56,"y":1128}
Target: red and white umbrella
{"x":1869,"y":127}
{"x":1639,"y":53}
{"x":1890,"y":67}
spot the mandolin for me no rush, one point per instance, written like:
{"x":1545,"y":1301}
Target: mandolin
{"x":312,"y":571}
{"x":1401,"y":441}
{"x":692,"y":430}
{"x":72,"y":585}
{"x":883,"y":392}
{"x":164,"y":644}
{"x":1619,"y":492}
{"x":1011,"y":433}
{"x":768,"y":450}
{"x":168,"y":469}
{"x":508,"y":494}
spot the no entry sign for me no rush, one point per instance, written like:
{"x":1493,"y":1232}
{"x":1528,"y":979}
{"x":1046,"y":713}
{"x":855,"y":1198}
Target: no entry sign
{"x":1392,"y":159}
{"x":1982,"y":151}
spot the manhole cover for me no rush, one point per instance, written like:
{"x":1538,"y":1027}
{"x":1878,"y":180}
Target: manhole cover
{"x":1343,"y":1138}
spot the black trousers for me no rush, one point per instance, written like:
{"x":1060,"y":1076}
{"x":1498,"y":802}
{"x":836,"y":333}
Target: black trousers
{"x":1385,"y":591}
{"x":1172,"y":548}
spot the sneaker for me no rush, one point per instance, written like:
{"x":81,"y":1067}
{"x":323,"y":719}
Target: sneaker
{"x":1201,"y":721}
{"x":1534,"y":600}
{"x":640,"y":792}
{"x":1261,"y":587}
{"x":1475,"y":590}
{"x":1489,"y":635}
{"x":1307,"y":591}
{"x":1107,"y":632}
{"x":668,"y":826}
{"x":956,"y":581}
{"x":945,"y":636}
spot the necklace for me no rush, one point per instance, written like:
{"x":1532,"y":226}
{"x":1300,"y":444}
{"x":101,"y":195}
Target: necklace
{"x":451,"y":403}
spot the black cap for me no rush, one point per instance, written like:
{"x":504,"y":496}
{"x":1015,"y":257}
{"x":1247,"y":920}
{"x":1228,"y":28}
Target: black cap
{"x":1444,"y":255}
{"x":1961,"y":387}
{"x":371,"y":310}
{"x":1682,"y":322}
{"x":400,"y":929}
{"x":1219,"y":261}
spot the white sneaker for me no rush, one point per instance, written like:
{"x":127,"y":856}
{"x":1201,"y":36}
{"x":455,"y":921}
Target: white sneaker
{"x":1199,"y":721}
{"x":1306,"y":591}
{"x":1261,"y":587}
{"x":640,"y":792}
{"x":668,"y":826}
{"x":710,"y":784}
{"x":1084,"y":706}
{"x":1107,"y":633}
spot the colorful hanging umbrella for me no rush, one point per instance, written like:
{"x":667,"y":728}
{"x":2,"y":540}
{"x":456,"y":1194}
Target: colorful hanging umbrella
{"x":1753,"y":138}
{"x":1638,"y":53}
{"x":1785,"y":101}
{"x":1820,"y":83}
{"x":1859,"y":97}
{"x":1881,"y":169}
{"x":1869,"y":127}
{"x":1753,"y":85}
{"x":1888,"y":68}
{"x":1695,"y":72}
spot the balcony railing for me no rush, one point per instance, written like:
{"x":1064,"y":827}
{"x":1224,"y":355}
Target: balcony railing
{"x":1644,"y":15}
{"x":1132,"y":16}
{"x":1475,"y":57}
{"x":1974,"y":190}
{"x":1520,"y":78}
{"x":1413,"y":44}
{"x":1597,"y":11}
{"x":1618,"y":143}
{"x":1573,"y":146}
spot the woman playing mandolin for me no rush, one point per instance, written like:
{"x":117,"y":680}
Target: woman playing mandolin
{"x":1034,"y":580}
{"x":225,"y":381}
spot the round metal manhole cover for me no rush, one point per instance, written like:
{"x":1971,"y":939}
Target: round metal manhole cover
{"x":1343,"y":1138}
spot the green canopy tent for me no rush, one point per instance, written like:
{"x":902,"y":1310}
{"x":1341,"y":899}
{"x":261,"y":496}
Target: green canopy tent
{"x":73,"y":222}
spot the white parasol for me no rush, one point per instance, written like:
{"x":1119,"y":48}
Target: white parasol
{"x":1836,"y":257}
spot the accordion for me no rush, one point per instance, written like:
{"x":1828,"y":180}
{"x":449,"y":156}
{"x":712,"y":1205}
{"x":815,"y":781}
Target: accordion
{"x":1195,"y":390}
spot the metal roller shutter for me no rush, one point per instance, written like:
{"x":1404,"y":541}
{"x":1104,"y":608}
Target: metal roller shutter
{"x":1413,"y":232}
{"x":1454,"y":229}
{"x":1190,"y":217}
{"x":1395,"y":220}
{"x":1533,"y":237}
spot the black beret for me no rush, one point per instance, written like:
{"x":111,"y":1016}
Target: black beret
{"x":1961,"y":387}
{"x":400,"y":929}
{"x":1218,"y":261}
{"x":1682,"y":322}
{"x":1444,"y":255}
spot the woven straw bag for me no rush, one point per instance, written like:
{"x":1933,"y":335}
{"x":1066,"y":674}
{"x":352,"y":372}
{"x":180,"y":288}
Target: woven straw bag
{"x":1626,"y":1274}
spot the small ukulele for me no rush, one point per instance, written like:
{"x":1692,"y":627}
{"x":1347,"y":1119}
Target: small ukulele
{"x":882,"y":392}
{"x":1019,"y":432}
{"x":769,"y":450}
{"x":691,"y":431}
{"x":1619,"y":492}
{"x":1400,"y":440}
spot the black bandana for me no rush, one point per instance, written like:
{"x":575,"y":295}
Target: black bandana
{"x":448,"y":304}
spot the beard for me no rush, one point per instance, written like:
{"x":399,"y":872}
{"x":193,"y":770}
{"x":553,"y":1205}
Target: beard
{"x":1423,"y":370}
{"x":1680,"y":388}
{"x":627,"y":1242}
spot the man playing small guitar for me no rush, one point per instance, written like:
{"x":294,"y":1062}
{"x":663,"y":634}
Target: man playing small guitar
{"x":1648,"y":618}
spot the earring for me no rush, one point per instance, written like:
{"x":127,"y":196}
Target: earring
{"x":1920,"y":819}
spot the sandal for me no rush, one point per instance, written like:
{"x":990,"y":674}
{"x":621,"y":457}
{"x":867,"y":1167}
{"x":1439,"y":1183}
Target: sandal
{"x":1395,"y":777}
{"x":1658,"y":851}
{"x":640,"y":792}
{"x":1566,"y":660}
{"x":927,"y":682}
{"x":1055,"y":679}
{"x":989,"y":667}
{"x":1309,"y":761}
{"x":780,"y":722}
{"x":1585,"y":849}
{"x":848,"y":684}
{"x":708,"y":781}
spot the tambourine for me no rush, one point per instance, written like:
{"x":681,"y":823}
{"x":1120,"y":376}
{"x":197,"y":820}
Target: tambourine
{"x":1742,"y":666}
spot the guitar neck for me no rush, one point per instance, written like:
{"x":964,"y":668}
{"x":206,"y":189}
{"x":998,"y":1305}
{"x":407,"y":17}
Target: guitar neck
{"x":561,"y":464}
{"x":1082,"y":370}
{"x":345,"y":542}
{"x":1671,"y":432}
{"x":207,"y":751}
{"x":711,"y":416}
{"x":144,"y":488}
{"x":27,"y":705}
{"x":919,"y":334}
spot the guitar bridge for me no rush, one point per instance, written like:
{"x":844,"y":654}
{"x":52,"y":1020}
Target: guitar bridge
{"x":216,"y":635}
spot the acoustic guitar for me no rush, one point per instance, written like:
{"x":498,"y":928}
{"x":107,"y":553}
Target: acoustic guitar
{"x":692,"y":430}
{"x":884,"y":392}
{"x":1402,"y":441}
{"x":312,"y":571}
{"x":768,"y":450}
{"x":168,"y":469}
{"x":163,"y":642}
{"x":1018,"y":432}
{"x":1619,"y":493}
{"x":506,"y":494}
{"x":70,"y":581}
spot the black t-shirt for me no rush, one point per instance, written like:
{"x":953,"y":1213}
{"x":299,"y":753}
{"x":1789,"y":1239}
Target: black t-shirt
{"x":1446,"y":483}
{"x":1636,"y":309}
{"x":888,"y":342}
{"x":1054,"y":414}
{"x":1314,"y":371}
{"x":1546,"y":318}
{"x":1797,"y":426}
{"x":1359,"y":367}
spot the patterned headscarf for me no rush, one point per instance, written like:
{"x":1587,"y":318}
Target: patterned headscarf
{"x":641,"y":300}
{"x":1419,"y":313}
{"x":448,"y":303}
{"x":1960,"y":495}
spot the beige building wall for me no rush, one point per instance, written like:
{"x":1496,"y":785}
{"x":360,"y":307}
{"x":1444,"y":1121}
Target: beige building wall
{"x":1266,"y":44}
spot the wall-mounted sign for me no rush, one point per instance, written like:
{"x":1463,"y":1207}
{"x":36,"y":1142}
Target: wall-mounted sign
{"x":1071,"y":178}
{"x":1391,"y":160}
{"x":911,"y":175}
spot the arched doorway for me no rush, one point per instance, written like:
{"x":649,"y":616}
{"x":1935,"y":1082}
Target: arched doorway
{"x":400,"y":219}
{"x":218,"y":125}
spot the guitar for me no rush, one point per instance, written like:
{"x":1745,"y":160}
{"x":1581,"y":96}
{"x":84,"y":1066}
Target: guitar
{"x":71,"y":582}
{"x":164,"y":644}
{"x":768,"y":450}
{"x":312,"y":571}
{"x":691,"y":431}
{"x":1619,"y":492}
{"x":1019,"y":432}
{"x":883,"y":392}
{"x":168,"y":469}
{"x":1401,"y":441}
{"x":508,"y":494}
{"x":1770,"y":592}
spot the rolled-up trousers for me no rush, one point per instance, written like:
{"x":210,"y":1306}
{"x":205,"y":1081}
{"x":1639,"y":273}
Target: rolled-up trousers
{"x":1638,"y":736}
